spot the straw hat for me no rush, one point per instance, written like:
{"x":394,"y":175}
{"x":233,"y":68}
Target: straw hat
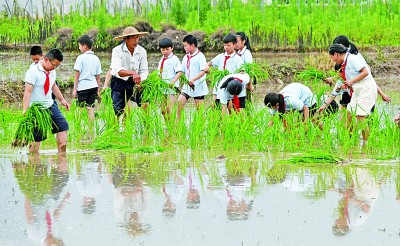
{"x":130,"y":31}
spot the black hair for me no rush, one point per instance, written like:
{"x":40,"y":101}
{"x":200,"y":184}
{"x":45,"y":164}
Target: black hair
{"x":243,"y":36}
{"x":337,"y":66}
{"x":233,"y":86}
{"x":271,"y":99}
{"x":344,"y":40}
{"x":165,"y":43}
{"x":55,"y":54}
{"x":337,"y":48}
{"x":35,"y":50}
{"x":190,"y":39}
{"x":230,"y":38}
{"x":86,"y":40}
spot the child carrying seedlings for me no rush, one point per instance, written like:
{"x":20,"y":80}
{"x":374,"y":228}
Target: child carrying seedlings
{"x":230,"y":86}
{"x":244,"y":51}
{"x":87,"y":76}
{"x":193,"y":65}
{"x":362,"y":86}
{"x":226,"y":61}
{"x":170,"y":70}
{"x":39,"y":84}
{"x":293,"y":97}
{"x":351,"y":48}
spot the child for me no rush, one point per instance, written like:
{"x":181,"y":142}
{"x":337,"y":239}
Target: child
{"x":39,"y":83}
{"x":244,"y":51}
{"x":193,"y":65}
{"x":170,"y":71}
{"x":358,"y":78}
{"x":87,"y":76}
{"x":36,"y":54}
{"x":230,"y":86}
{"x":293,"y":97}
{"x":227,"y":61}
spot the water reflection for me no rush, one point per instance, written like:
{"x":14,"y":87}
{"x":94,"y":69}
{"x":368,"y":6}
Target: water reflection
{"x":42,"y":186}
{"x":188,"y":198}
{"x":358,"y":194}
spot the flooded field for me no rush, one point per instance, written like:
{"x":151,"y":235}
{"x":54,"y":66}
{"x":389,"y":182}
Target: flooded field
{"x":188,"y":197}
{"x":200,"y":182}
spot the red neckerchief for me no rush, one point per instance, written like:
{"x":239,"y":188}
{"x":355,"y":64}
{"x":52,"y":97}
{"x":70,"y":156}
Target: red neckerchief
{"x":235,"y":100}
{"x":343,"y":74}
{"x":162,"y":64}
{"x":46,"y":86}
{"x":188,"y":60}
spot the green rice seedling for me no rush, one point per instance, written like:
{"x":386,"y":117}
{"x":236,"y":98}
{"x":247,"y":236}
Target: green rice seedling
{"x":255,"y":70}
{"x":314,"y":156}
{"x":36,"y":118}
{"x":153,"y":88}
{"x":214,"y":76}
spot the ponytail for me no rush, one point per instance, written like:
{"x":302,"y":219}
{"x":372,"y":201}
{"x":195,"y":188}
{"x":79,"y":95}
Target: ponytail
{"x":271,"y":99}
{"x":243,"y":36}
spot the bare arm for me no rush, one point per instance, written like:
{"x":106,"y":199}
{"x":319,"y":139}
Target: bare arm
{"x":363,"y":73}
{"x":306,"y":113}
{"x":59,"y":96}
{"x":385,"y":97}
{"x":327,"y":102}
{"x":98,"y":83}
{"x":76,"y":79}
{"x":27,"y":97}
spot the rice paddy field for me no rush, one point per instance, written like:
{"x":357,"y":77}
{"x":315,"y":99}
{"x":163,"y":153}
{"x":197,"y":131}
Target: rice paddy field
{"x":204,"y":179}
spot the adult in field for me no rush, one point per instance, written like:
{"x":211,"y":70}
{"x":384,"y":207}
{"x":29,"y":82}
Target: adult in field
{"x":129,"y":67}
{"x":39,"y":85}
{"x":293,"y":97}
{"x":356,"y":75}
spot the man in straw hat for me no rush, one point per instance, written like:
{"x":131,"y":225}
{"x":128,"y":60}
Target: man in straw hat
{"x":128,"y":68}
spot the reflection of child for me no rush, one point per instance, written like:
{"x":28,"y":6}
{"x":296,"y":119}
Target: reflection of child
{"x":89,"y":185}
{"x":130,"y":202}
{"x":194,"y":183}
{"x":173,"y":193}
{"x":357,"y":202}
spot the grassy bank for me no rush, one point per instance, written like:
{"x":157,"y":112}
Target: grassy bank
{"x":281,"y":25}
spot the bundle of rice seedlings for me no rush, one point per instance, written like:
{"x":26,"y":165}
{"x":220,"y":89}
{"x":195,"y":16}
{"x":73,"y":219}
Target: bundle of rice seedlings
{"x":315,"y":156}
{"x":153,"y":88}
{"x":214,"y":76}
{"x":313,"y":74}
{"x":255,"y":70}
{"x":36,"y":118}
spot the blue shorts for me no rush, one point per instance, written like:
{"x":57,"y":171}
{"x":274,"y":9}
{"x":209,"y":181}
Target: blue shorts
{"x":119,"y":99}
{"x":59,"y":124}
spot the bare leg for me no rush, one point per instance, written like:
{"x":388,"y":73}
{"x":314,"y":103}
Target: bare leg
{"x":181,"y":104}
{"x":61,"y":138}
{"x":198,"y":103}
{"x":34,"y":147}
{"x":365,"y":128}
{"x":90,"y":111}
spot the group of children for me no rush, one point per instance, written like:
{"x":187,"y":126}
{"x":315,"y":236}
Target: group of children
{"x":129,"y":68}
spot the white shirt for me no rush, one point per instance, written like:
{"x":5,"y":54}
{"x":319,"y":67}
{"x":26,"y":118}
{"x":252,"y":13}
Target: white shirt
{"x":354,"y":64}
{"x":171,"y":67}
{"x":246,"y":55}
{"x":232,"y":64}
{"x":88,"y":65}
{"x":122,"y":59}
{"x":338,"y":88}
{"x":192,"y":65}
{"x":36,"y":76}
{"x":296,"y":96}
{"x":222,"y":94}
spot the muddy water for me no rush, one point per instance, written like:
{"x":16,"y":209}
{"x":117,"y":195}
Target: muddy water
{"x":195,"y":198}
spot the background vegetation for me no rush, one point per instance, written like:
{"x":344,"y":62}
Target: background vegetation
{"x":271,"y":25}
